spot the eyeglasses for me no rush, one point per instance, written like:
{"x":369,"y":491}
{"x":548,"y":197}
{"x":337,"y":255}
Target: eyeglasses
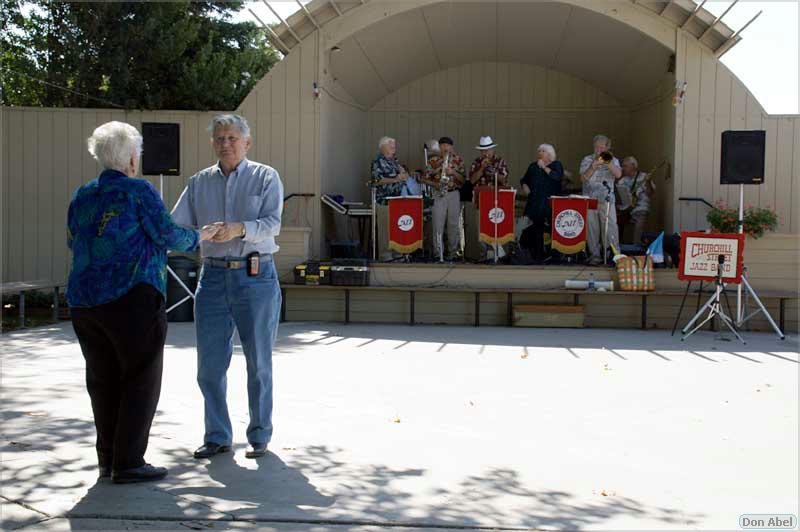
{"x":223,"y":140}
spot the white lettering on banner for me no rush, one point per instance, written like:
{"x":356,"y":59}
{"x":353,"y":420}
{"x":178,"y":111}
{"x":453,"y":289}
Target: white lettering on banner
{"x":405,"y":223}
{"x":569,"y":223}
{"x":497,"y":215}
{"x":702,"y":257}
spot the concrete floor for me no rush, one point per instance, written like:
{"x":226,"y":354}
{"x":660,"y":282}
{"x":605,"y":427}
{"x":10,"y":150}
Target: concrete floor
{"x":420,"y":427}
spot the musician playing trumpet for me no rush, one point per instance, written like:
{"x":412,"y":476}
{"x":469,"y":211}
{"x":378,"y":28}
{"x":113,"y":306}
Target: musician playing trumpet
{"x":445,"y":173}
{"x":636,"y":190}
{"x":599,"y":171}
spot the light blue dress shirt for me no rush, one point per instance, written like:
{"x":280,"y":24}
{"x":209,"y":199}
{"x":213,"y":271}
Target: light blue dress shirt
{"x":251,"y":194}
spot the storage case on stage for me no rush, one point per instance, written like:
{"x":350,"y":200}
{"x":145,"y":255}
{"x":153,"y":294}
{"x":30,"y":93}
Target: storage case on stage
{"x":312,"y":273}
{"x":350,"y":272}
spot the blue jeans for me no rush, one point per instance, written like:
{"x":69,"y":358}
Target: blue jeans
{"x":224,"y":299}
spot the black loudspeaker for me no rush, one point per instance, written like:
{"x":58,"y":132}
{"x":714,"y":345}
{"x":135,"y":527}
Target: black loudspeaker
{"x":742,"y":161}
{"x":162,"y":149}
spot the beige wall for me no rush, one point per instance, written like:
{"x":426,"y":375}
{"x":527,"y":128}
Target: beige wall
{"x":716,"y":101}
{"x":519,"y":105}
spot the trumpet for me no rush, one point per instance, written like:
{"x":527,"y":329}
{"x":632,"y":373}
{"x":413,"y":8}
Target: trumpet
{"x":444,"y":179}
{"x":606,"y":157}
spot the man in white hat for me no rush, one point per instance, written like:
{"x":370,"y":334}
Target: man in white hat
{"x":481,"y":174}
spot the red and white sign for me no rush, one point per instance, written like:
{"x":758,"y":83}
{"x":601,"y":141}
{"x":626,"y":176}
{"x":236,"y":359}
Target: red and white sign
{"x":500,"y":217}
{"x":569,"y":223}
{"x":405,"y":224}
{"x":700,"y":257}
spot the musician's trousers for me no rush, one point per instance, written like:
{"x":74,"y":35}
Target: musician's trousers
{"x":597,"y":225}
{"x":382,"y":240}
{"x":447,"y":215}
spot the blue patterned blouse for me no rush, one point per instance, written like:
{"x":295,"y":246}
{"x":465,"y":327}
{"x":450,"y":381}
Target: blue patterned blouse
{"x":119,"y":232}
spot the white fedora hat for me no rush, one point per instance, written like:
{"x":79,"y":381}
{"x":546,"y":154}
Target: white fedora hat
{"x":486,"y":143}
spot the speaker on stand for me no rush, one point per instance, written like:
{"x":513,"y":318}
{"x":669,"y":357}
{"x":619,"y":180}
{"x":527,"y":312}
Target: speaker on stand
{"x":161,"y":155}
{"x":742,"y":163}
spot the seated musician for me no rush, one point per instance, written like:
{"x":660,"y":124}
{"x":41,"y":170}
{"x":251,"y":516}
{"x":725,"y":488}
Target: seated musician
{"x":388,"y":178}
{"x":636,"y":190}
{"x":542,"y":180}
{"x":445,"y":174}
{"x":481,"y":176}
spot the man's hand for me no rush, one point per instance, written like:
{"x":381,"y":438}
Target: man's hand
{"x":228,"y":231}
{"x":208,"y":232}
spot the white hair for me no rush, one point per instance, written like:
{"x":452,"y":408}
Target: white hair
{"x":603,"y":139}
{"x":549,"y":149}
{"x":384,"y":141}
{"x":631,"y":159}
{"x":114,"y":143}
{"x":225,"y":121}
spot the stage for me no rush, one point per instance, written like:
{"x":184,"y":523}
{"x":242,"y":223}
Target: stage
{"x":472,"y":294}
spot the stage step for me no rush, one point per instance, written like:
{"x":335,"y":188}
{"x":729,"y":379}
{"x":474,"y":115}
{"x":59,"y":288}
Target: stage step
{"x":567,"y":316}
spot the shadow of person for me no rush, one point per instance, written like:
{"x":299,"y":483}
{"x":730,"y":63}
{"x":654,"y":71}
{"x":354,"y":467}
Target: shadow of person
{"x":108,"y":501}
{"x":270,"y":489}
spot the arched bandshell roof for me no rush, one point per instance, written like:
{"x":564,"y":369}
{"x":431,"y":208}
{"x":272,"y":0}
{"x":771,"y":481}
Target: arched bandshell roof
{"x":622,"y":47}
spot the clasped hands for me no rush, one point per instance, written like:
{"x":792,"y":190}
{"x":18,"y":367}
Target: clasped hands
{"x":222,"y":231}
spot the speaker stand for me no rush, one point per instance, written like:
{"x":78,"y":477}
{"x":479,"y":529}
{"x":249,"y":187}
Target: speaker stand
{"x":741,"y":319}
{"x":170,"y":270}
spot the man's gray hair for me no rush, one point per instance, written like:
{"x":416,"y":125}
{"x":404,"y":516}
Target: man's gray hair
{"x":230,"y":120}
{"x":631,"y":159}
{"x":549,"y":149}
{"x":113,"y":143}
{"x":384,"y":141}
{"x":433,"y":146}
{"x":602,"y":138}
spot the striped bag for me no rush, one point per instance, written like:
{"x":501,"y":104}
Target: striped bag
{"x":636,"y":274}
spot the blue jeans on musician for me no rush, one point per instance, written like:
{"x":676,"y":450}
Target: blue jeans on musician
{"x":226,"y":299}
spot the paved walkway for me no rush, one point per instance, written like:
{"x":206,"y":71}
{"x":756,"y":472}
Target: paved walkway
{"x":426,"y":427}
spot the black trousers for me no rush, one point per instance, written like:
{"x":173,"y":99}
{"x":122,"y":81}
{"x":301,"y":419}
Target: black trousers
{"x":533,"y":237}
{"x":123,"y":344}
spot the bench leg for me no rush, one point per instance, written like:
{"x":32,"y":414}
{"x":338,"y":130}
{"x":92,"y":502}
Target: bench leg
{"x":411,"y":307}
{"x":510,"y":309}
{"x":22,"y":310}
{"x":477,"y":309}
{"x":782,"y":315}
{"x":347,"y":305}
{"x":55,"y":303}
{"x":283,"y":305}
{"x":644,"y":312}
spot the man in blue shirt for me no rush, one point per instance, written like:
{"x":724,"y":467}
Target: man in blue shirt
{"x":238,"y":286}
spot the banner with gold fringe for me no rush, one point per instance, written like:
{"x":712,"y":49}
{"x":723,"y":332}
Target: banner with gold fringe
{"x":405,"y":224}
{"x":501,"y":216}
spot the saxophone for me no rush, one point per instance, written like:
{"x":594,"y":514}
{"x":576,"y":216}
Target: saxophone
{"x":444,"y":179}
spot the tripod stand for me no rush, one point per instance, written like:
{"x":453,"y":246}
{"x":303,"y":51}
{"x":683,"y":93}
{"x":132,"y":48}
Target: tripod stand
{"x":714,"y":307}
{"x":170,"y":270}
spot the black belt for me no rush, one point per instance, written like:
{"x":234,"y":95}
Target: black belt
{"x":235,"y":263}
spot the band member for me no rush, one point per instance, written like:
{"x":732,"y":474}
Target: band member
{"x":445,"y":173}
{"x":481,"y":174}
{"x":599,"y":171}
{"x":542,"y":180}
{"x":636,"y":189}
{"x":388,"y":178}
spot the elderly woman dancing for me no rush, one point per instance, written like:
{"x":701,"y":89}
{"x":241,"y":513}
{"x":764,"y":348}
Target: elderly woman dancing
{"x":119,"y":232}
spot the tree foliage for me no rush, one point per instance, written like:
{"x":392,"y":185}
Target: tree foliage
{"x":137,"y":55}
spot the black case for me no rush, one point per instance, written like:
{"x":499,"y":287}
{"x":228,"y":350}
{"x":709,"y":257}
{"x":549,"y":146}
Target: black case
{"x":350,"y":272}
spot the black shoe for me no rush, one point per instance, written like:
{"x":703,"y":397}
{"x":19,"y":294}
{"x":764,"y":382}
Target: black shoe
{"x":256,"y":450}
{"x":209,"y":449}
{"x":146,"y":473}
{"x":105,"y":472}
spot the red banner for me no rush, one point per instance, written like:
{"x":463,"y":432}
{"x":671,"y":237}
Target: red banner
{"x":500,"y":216}
{"x":569,"y":224}
{"x":405,"y":224}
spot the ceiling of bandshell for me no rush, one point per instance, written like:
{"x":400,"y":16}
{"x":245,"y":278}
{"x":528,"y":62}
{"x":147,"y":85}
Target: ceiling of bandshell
{"x":615,"y":57}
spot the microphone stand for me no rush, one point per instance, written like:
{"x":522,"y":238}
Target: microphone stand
{"x":605,"y":230}
{"x":495,"y":222}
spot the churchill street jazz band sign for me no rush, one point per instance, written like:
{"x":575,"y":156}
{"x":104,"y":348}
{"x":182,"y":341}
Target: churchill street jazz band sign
{"x":700,"y":254}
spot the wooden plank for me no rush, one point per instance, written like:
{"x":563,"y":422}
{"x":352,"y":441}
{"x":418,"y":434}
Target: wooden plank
{"x":29,"y":173}
{"x":707,"y":158}
{"x":61,"y":195}
{"x":786,"y":144}
{"x":690,"y":212}
{"x":294,"y":92}
{"x":794,"y":223}
{"x":753,"y":120}
{"x":16,"y":191}
{"x":278,"y":122}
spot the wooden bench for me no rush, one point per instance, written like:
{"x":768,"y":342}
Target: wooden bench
{"x":576,"y":295}
{"x":26,"y":286}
